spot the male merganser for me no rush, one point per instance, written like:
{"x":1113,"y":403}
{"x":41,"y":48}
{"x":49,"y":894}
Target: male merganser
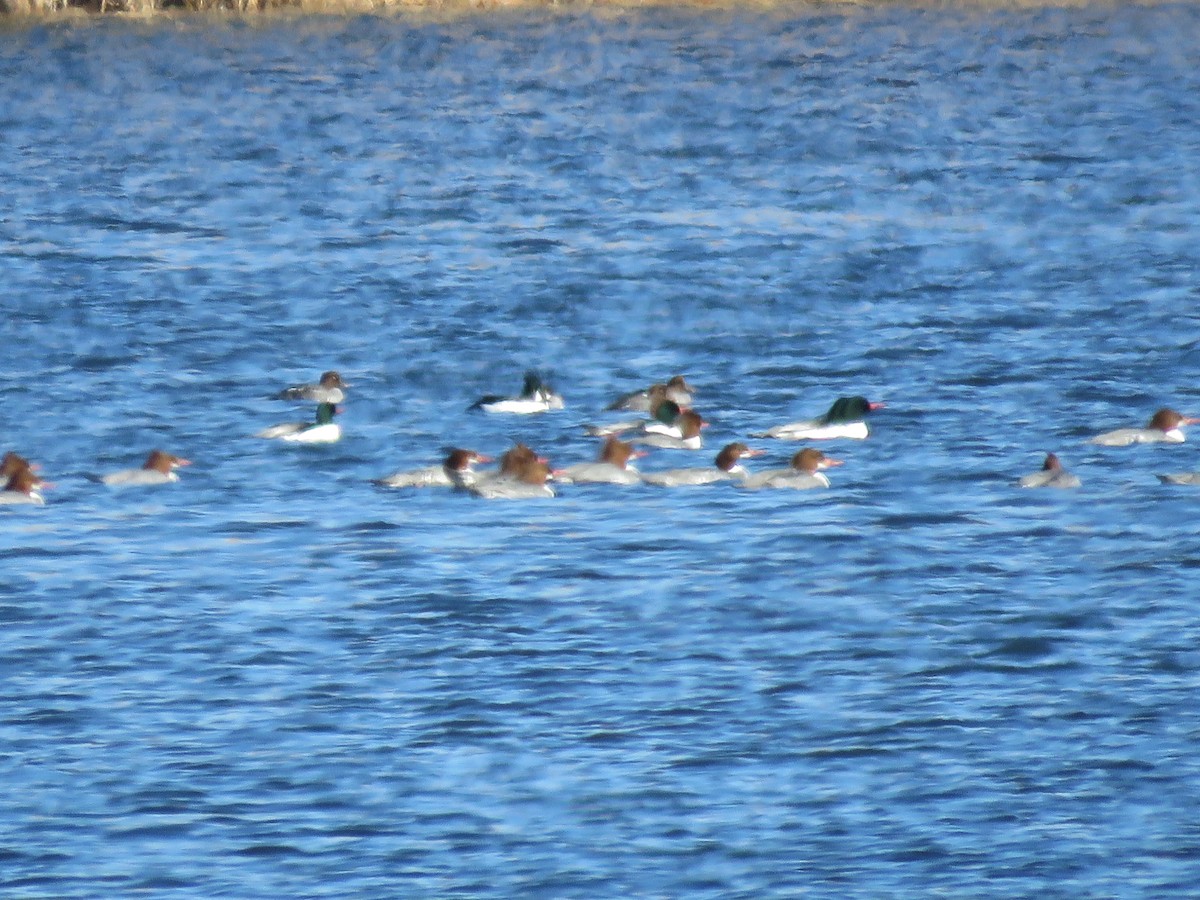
{"x":23,"y":487}
{"x":1166,"y":426}
{"x":1052,"y":474}
{"x":522,"y":476}
{"x":664,"y":419}
{"x":804,"y":473}
{"x":330,"y":389}
{"x":159,"y":468}
{"x":536,"y":397}
{"x":321,"y":431}
{"x":689,"y":424}
{"x":677,"y":390}
{"x":845,"y":419}
{"x":728,"y":467}
{"x":458,"y":471}
{"x":612,"y":467}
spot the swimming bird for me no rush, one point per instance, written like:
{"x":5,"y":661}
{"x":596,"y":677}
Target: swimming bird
{"x":24,"y":487}
{"x":1052,"y":474}
{"x":330,"y":389}
{"x":159,"y":468}
{"x":845,"y":419}
{"x":458,"y":470}
{"x":536,"y":396}
{"x":612,"y":467}
{"x":805,"y":472}
{"x":522,"y":476}
{"x":1165,"y":426}
{"x":687,"y":436}
{"x":727,"y":467}
{"x":677,"y":390}
{"x":321,"y":431}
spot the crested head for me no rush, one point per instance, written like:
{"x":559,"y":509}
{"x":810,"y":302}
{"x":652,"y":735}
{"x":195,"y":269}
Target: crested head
{"x":690,"y":423}
{"x":532,"y":384}
{"x":616,"y":451}
{"x":514,"y":460}
{"x":12,"y":463}
{"x":1052,"y":463}
{"x":332,"y":379}
{"x":679,"y":383}
{"x":731,"y":454}
{"x":460,"y":460}
{"x":1166,"y":419}
{"x":161,"y":461}
{"x":811,"y":460}
{"x":23,"y":481}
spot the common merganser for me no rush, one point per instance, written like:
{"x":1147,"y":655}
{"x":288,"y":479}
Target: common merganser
{"x":1166,"y":426}
{"x":330,"y":389}
{"x":845,"y":419}
{"x":728,"y":467}
{"x":536,"y":397}
{"x":522,"y":476}
{"x":677,"y":390}
{"x":612,"y":467}
{"x":24,"y":487}
{"x":689,"y":424}
{"x":458,"y":471}
{"x":321,"y":431}
{"x":1052,"y":474}
{"x":804,"y":473}
{"x":664,"y":420}
{"x":159,"y":468}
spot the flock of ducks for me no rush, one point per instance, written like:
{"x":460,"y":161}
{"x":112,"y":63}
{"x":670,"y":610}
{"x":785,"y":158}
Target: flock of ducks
{"x":668,"y":421}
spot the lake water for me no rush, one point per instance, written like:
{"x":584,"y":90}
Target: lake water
{"x":275,"y":679}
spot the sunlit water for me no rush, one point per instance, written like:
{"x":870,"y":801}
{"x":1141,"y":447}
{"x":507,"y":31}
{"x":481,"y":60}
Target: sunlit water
{"x":274,"y":679}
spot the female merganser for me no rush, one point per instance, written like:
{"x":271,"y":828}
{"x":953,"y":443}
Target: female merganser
{"x":23,"y":487}
{"x":536,"y":397}
{"x":1052,"y":474}
{"x":689,"y":424}
{"x":612,"y":467}
{"x":1166,"y":426}
{"x":844,"y":420}
{"x":159,"y":468}
{"x":330,"y":389}
{"x":677,"y":390}
{"x":522,"y":476}
{"x":322,"y":431}
{"x":804,"y":473}
{"x":457,"y":471}
{"x":728,"y":467}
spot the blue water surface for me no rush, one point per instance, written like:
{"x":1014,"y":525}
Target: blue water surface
{"x":275,"y":679}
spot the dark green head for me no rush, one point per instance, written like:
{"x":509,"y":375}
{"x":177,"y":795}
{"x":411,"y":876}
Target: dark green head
{"x":849,"y":409}
{"x":325,"y":413}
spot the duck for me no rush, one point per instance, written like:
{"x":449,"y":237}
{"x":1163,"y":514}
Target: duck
{"x":522,"y":475}
{"x":458,"y":471}
{"x":664,"y":419}
{"x":536,"y":397}
{"x":159,"y":468}
{"x":23,"y":487}
{"x":727,"y":467}
{"x":804,"y":473}
{"x":12,"y":463}
{"x":1165,"y":427}
{"x":1052,"y":474}
{"x":689,"y":422}
{"x":1180,"y":478}
{"x":677,"y":390}
{"x":321,"y":431}
{"x":611,"y":467}
{"x":329,"y":389}
{"x":846,"y":418}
